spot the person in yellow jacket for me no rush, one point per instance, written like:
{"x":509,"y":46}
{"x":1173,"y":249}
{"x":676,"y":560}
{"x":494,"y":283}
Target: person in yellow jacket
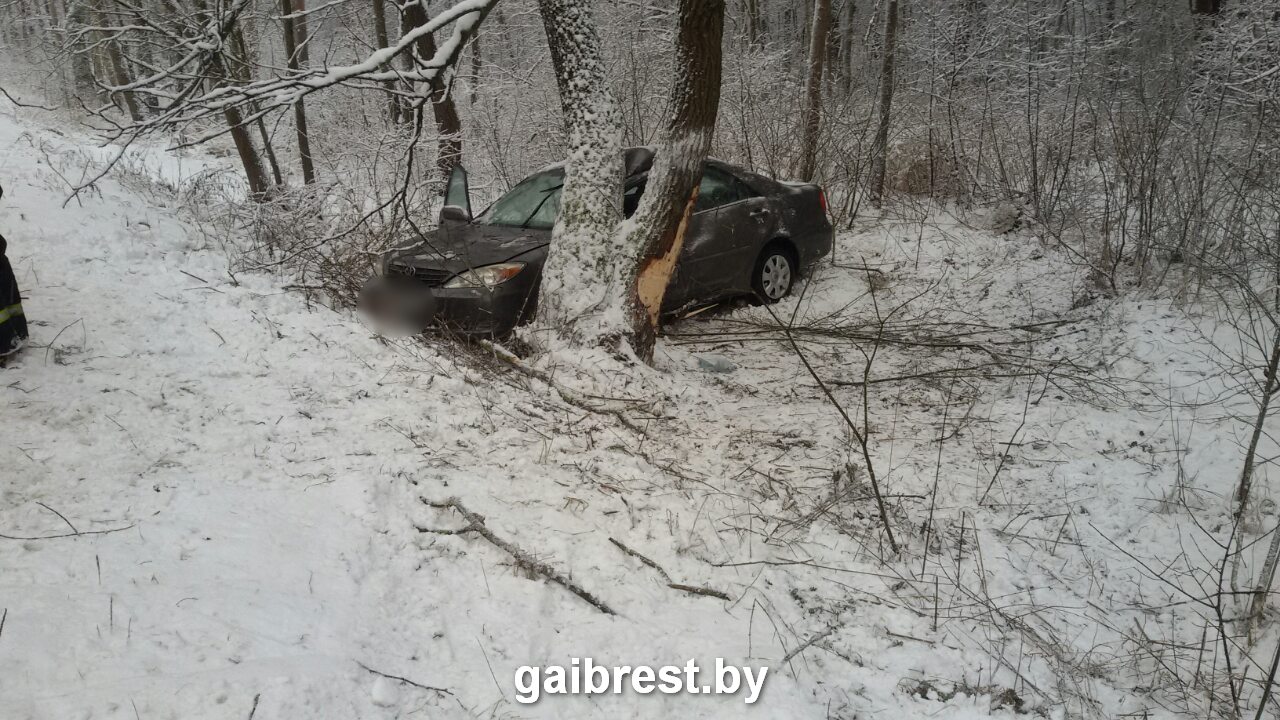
{"x":13,"y":324}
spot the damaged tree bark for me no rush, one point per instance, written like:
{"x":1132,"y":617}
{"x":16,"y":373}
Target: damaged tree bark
{"x":663,"y":216}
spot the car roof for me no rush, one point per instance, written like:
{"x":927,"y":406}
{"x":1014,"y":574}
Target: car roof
{"x":638,"y":160}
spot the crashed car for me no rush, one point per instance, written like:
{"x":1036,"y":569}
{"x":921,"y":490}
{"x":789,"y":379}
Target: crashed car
{"x":479,"y":275}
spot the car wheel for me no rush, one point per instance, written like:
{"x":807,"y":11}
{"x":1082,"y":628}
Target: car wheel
{"x":774,"y":274}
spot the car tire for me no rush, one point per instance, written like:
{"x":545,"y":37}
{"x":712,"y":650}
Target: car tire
{"x":774,"y":274}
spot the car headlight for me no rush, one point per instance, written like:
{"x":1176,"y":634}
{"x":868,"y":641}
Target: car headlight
{"x":486,"y":276}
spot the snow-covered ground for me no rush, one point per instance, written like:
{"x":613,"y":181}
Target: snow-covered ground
{"x":211,"y":490}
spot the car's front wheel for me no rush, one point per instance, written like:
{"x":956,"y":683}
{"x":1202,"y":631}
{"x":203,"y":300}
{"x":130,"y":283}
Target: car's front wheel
{"x":774,"y":274}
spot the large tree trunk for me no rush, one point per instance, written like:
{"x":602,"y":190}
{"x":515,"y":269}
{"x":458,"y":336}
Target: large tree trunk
{"x":880,"y":149}
{"x":443,"y":108}
{"x":663,"y":216}
{"x":295,"y":38}
{"x":812,"y":117}
{"x":580,"y":281}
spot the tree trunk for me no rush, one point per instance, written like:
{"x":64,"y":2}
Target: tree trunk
{"x":1245,"y":488}
{"x":295,"y":38}
{"x":880,"y":149}
{"x":254,"y":172}
{"x":81,"y":63}
{"x":383,"y":41}
{"x":448,"y":123}
{"x":119,"y":70}
{"x":1206,"y":7}
{"x":1258,"y":604}
{"x":847,"y":33}
{"x":812,"y":117}
{"x":581,"y":279}
{"x":663,"y":216}
{"x":754,"y":25}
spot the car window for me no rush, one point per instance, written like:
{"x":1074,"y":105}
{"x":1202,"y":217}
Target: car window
{"x":534,"y":203}
{"x":719,"y":188}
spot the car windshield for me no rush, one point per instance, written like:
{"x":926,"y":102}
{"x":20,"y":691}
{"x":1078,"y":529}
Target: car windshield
{"x":534,"y":203}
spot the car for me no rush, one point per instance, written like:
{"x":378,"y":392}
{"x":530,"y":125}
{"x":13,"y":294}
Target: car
{"x":479,"y":275}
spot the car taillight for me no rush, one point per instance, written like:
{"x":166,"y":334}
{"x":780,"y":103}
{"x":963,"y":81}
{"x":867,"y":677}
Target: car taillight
{"x":822,"y":199}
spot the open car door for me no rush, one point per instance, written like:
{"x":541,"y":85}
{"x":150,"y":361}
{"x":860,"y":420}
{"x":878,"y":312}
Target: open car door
{"x":457,"y":197}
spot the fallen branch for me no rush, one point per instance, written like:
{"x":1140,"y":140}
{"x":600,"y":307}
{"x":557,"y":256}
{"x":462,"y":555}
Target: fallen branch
{"x":523,"y":559}
{"x":565,"y":393}
{"x":808,"y":643}
{"x":406,"y":681}
{"x":64,"y":535}
{"x":692,"y":589}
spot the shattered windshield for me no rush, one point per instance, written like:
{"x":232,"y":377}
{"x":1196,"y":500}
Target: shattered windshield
{"x":533,"y":203}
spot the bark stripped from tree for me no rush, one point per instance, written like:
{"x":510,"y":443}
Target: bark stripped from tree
{"x":812,"y":118}
{"x":663,"y":216}
{"x":880,"y":149}
{"x":580,"y":293}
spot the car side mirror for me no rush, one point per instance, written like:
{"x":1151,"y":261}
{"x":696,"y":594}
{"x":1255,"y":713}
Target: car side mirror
{"x":454,"y":214}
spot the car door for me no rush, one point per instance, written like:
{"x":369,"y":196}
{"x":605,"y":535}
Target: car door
{"x":679,"y":292}
{"x":731,"y":222}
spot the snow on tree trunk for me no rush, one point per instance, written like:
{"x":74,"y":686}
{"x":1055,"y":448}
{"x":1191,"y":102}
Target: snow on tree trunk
{"x":581,"y":294}
{"x":660,"y":222}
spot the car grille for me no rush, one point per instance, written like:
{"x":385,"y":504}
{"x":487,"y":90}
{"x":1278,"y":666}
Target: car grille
{"x":432,"y":277}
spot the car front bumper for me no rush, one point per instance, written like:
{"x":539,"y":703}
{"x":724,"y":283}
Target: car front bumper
{"x":408,"y":305}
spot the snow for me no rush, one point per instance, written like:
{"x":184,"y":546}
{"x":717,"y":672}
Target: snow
{"x":241,"y":475}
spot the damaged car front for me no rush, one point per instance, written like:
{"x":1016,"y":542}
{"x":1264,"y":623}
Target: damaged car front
{"x":475,"y":277}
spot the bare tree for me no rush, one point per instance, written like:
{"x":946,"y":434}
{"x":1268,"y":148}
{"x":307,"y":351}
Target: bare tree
{"x":294,"y":21}
{"x":812,"y":117}
{"x":582,"y":275}
{"x":663,"y":214}
{"x":880,"y":149}
{"x":440,"y":91}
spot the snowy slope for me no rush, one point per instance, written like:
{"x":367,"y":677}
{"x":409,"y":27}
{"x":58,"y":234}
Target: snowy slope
{"x":224,"y":484}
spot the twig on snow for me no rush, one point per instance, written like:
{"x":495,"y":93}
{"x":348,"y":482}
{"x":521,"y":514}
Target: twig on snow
{"x":397,"y":678}
{"x":523,"y":559}
{"x":63,"y":535}
{"x":64,"y":517}
{"x":566,"y":394}
{"x":692,"y":589}
{"x":807,"y":643}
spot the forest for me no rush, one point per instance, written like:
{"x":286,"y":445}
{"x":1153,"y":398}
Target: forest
{"x":1007,"y":449}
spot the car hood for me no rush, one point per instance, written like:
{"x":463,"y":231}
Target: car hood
{"x":458,"y":247}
